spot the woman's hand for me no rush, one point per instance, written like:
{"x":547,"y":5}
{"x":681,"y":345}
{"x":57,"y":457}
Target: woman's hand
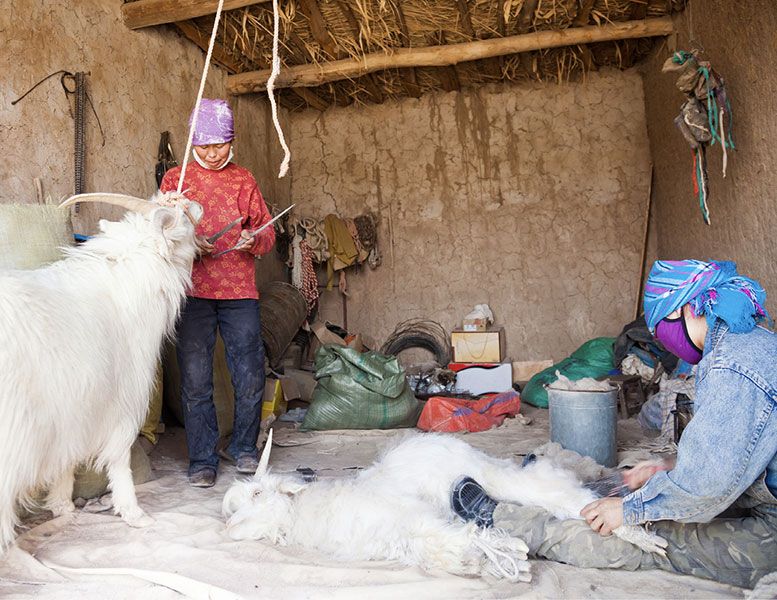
{"x":246,"y":241}
{"x":204,"y":247}
{"x":638,"y":475}
{"x":604,"y":515}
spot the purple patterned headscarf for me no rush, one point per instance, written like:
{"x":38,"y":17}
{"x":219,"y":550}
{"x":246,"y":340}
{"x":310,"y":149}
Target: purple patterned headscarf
{"x":215,"y":123}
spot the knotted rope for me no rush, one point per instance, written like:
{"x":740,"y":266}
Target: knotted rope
{"x":199,"y":95}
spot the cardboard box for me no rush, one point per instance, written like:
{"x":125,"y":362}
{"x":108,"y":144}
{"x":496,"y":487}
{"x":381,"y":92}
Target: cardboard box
{"x":479,"y":378}
{"x":526,"y":369}
{"x":479,"y":346}
{"x":324,"y":336}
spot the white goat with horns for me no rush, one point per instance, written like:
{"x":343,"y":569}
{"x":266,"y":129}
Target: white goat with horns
{"x":80,"y":343}
{"x":399,"y":508}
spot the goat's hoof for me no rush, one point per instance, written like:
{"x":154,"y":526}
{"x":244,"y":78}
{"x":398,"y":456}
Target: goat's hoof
{"x":642,"y":539}
{"x":513,"y":570}
{"x":656,"y":544}
{"x":61,"y":507}
{"x":138,"y":519}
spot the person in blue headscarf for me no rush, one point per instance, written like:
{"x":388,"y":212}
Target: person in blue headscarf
{"x":706,"y":314}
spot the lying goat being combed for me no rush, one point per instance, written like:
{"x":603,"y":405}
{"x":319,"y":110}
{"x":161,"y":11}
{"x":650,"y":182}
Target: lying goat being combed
{"x":399,"y":508}
{"x":81,"y":339}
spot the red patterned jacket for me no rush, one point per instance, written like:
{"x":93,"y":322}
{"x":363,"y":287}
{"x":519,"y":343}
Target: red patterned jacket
{"x":225,"y":195}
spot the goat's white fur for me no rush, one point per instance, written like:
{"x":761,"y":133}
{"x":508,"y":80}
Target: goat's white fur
{"x":399,"y":508}
{"x":81,"y":339}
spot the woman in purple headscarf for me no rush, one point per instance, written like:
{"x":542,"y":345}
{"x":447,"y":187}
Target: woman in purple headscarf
{"x":223,"y":295}
{"x":705,"y":313}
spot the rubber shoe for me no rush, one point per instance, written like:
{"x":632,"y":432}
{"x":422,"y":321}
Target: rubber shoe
{"x":247,"y":465}
{"x":203,"y":479}
{"x":470,"y":501}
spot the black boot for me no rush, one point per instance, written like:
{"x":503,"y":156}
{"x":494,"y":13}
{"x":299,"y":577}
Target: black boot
{"x":470,"y":501}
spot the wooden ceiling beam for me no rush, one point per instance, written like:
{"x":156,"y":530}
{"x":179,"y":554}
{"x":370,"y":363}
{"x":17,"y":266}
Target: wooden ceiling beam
{"x":310,"y":75}
{"x":318,"y":26}
{"x":525,"y":23}
{"x":492,"y":66}
{"x":409,"y":76}
{"x":145,"y":13}
{"x":369,"y":80}
{"x":639,"y":10}
{"x":501,"y":29}
{"x":219,"y":56}
{"x":311,"y":98}
{"x":283,"y":99}
{"x":448,"y":75}
{"x":584,"y":13}
{"x":466,"y":18}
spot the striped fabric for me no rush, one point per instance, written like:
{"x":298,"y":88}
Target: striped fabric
{"x":714,"y":289}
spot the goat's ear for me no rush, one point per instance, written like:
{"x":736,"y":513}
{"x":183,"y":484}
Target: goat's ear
{"x":290,"y":486}
{"x":164,"y":218}
{"x":195,"y":210}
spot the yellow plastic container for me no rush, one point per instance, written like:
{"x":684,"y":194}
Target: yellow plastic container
{"x":274,"y":402}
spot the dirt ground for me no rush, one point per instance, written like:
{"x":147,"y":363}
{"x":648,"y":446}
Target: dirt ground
{"x":188,"y":538}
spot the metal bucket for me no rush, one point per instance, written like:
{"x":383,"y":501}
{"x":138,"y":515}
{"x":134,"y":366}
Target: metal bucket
{"x":283,"y":311}
{"x":585,"y":422}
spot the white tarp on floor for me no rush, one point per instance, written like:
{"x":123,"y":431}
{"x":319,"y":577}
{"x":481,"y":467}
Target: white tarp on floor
{"x":189,"y":539}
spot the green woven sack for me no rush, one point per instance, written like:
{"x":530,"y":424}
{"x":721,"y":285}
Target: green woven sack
{"x":360,"y":390}
{"x":594,"y":359}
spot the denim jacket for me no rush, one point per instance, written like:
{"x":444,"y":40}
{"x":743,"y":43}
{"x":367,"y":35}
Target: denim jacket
{"x":731,"y":441}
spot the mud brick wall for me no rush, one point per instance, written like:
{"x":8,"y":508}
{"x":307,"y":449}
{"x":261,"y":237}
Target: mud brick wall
{"x":530,"y":198}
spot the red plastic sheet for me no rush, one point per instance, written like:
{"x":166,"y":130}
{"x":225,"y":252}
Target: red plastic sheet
{"x":455,"y":414}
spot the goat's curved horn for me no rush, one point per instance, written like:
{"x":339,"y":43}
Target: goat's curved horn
{"x":129,"y":202}
{"x":265,"y":460}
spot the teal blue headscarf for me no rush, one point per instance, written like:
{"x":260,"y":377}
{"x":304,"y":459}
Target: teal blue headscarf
{"x":713,"y":289}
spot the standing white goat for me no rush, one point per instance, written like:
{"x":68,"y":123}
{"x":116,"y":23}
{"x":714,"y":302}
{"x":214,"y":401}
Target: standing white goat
{"x":399,"y":508}
{"x":80,"y":343}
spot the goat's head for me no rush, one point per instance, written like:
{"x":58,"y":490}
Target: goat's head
{"x":261,"y":507}
{"x":169,"y":218}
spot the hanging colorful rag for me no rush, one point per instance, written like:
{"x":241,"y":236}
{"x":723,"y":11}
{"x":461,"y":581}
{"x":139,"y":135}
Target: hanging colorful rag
{"x":705,"y":117}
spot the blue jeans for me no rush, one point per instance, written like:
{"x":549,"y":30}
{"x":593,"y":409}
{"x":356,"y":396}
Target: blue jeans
{"x":238,"y":323}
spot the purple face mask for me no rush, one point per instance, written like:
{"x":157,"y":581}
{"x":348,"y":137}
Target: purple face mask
{"x":673,"y":334}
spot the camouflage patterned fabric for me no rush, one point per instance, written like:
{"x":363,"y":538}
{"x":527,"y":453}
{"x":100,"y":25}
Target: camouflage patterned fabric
{"x":737,"y":551}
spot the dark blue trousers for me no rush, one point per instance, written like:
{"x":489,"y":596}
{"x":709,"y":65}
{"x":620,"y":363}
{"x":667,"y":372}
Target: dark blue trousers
{"x":238,"y":323}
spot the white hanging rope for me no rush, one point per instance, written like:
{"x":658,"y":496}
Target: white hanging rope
{"x":276,"y":68}
{"x":199,"y":95}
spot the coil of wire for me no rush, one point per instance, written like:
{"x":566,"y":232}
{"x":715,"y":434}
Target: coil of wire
{"x":420,"y":333}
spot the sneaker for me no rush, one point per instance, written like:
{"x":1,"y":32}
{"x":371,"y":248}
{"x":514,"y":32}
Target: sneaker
{"x":247,"y":464}
{"x":470,"y":501}
{"x":204,"y":478}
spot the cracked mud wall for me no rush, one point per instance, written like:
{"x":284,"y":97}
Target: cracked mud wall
{"x":529,"y":198}
{"x":141,"y":83}
{"x":741,"y":45}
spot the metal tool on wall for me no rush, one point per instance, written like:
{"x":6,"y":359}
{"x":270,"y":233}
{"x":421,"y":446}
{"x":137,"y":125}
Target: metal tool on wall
{"x":78,"y":82}
{"x":165,"y":157}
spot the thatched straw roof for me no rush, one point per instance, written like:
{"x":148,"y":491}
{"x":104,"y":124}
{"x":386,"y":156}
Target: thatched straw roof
{"x":318,"y":32}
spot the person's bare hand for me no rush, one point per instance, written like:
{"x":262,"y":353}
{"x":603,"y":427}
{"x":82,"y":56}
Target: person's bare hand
{"x":638,"y":475}
{"x":204,"y":247}
{"x":604,"y":515}
{"x":246,"y":241}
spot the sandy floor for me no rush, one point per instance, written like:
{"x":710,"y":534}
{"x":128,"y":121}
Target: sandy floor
{"x":188,"y":538}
